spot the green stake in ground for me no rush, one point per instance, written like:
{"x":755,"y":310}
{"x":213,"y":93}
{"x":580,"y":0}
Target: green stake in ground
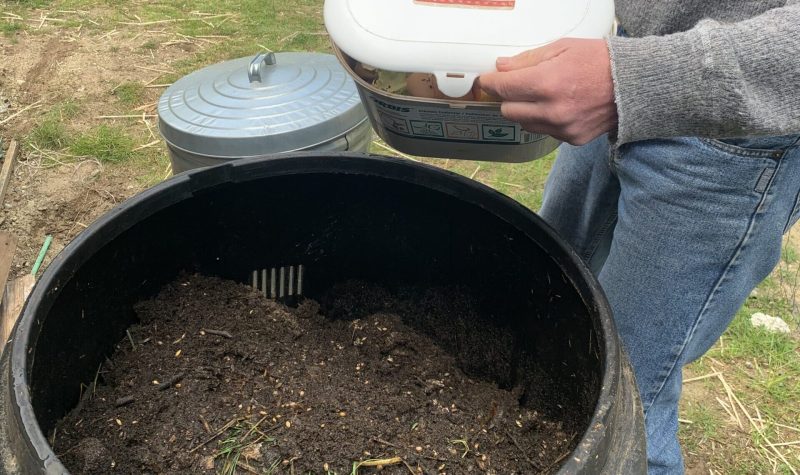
{"x":42,"y":253}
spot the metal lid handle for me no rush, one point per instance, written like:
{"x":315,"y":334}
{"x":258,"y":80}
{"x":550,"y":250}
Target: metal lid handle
{"x":258,"y":66}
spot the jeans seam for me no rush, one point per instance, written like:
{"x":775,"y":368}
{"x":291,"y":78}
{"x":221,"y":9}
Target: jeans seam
{"x":793,"y":214}
{"x":721,"y":280}
{"x":592,"y":248}
{"x":715,"y":144}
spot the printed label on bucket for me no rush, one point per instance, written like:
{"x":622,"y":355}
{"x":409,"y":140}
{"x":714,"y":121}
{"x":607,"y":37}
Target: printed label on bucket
{"x":494,"y":4}
{"x":442,"y":123}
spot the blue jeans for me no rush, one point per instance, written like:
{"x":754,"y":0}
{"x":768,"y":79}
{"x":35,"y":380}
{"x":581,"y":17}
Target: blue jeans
{"x":678,"y":232}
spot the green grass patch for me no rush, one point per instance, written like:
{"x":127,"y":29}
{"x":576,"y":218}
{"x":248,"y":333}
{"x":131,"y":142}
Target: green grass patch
{"x":51,"y":132}
{"x":106,"y":143}
{"x":743,"y":341}
{"x":703,"y":422}
{"x":763,"y":369}
{"x":149,"y":45}
{"x":235,"y":442}
{"x":11,"y":28}
{"x":130,"y":93}
{"x":789,"y":254}
{"x":29,"y":3}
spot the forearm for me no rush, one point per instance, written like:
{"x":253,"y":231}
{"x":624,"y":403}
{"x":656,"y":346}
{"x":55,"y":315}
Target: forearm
{"x":716,"y":80}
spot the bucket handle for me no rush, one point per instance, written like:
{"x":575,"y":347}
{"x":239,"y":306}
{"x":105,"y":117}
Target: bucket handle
{"x":258,"y":65}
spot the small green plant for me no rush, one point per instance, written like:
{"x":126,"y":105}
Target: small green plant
{"x":462,"y":442}
{"x":11,"y":28}
{"x":230,"y":450}
{"x":789,"y":254}
{"x":150,"y":45}
{"x":108,"y":144}
{"x":51,"y":133}
{"x":130,"y":93}
{"x":239,"y":438}
{"x":273,"y":468}
{"x":67,"y":110}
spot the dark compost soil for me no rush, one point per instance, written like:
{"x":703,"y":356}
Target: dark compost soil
{"x":217,"y":379}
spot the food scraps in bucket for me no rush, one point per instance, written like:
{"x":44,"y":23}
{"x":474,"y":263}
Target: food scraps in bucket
{"x":421,"y":85}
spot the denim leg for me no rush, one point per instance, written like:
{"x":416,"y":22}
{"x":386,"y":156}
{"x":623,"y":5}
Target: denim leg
{"x":699,"y":225}
{"x":580,"y":199}
{"x":691,"y":227}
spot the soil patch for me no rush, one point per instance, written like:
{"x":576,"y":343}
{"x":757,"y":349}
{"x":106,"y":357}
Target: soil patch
{"x":216,"y":378}
{"x":60,"y":201}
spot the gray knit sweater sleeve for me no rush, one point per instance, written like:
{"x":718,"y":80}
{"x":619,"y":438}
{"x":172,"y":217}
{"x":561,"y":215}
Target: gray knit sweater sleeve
{"x":715,"y":80}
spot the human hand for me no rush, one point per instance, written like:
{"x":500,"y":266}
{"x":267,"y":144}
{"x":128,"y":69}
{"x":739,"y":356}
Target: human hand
{"x":564,"y":89}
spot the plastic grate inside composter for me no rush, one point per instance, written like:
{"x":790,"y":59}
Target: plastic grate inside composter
{"x":279,"y":283}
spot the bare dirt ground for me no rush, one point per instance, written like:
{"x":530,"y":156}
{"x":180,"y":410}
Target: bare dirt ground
{"x":42,"y":68}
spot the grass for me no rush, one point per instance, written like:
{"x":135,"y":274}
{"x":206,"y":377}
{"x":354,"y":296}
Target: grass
{"x":11,"y":28}
{"x":51,"y":132}
{"x":106,"y":143}
{"x":149,"y":45}
{"x":700,"y":425}
{"x":763,"y":370}
{"x":235,"y":444}
{"x":130,"y":93}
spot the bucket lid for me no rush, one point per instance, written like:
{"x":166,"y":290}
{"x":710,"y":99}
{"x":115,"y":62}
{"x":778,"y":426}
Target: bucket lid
{"x":457,"y":40}
{"x":255,"y":106}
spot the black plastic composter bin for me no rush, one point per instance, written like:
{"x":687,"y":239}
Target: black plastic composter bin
{"x":342,"y":216}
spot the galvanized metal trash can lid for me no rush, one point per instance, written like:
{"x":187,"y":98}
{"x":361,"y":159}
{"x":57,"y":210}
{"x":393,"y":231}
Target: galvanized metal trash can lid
{"x":256,"y":106}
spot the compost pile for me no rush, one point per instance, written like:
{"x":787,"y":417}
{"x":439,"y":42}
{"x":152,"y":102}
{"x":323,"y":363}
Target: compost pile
{"x":216,"y":378}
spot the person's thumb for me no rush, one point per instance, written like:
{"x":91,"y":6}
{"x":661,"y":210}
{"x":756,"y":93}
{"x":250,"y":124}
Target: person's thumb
{"x":530,"y":58}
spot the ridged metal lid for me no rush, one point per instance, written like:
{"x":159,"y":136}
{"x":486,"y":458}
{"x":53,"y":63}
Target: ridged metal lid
{"x":271,"y":104}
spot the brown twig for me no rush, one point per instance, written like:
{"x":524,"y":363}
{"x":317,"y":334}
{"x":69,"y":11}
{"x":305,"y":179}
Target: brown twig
{"x":157,"y":22}
{"x":147,"y":145}
{"x":26,"y":108}
{"x":757,"y":428}
{"x":126,"y":116}
{"x":144,"y":107}
{"x":700,"y":378}
{"x":254,"y":428}
{"x":409,"y":468}
{"x":205,"y":423}
{"x":124,"y":401}
{"x":247,"y":467}
{"x":729,"y":393}
{"x":385,"y":442}
{"x":217,"y":332}
{"x":522,"y":452}
{"x":155,"y":70}
{"x":472,"y":177}
{"x":378,"y":463}
{"x":401,"y":154}
{"x":171,"y":381}
{"x":556,"y":461}
{"x":227,"y":426}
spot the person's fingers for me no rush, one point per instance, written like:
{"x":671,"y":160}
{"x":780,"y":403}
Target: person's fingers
{"x":539,"y":118}
{"x":533,"y":117}
{"x":523,"y":112}
{"x":519,"y":85}
{"x":530,"y":58}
